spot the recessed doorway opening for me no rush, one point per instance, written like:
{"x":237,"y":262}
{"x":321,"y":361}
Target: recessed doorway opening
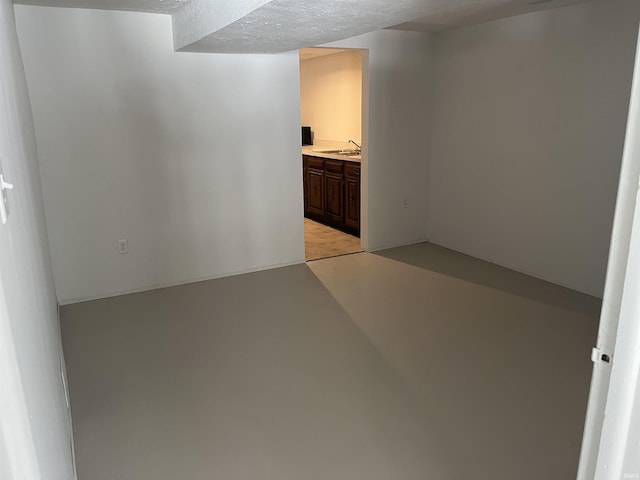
{"x":332,"y":84}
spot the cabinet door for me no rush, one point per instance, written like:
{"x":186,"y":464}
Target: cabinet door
{"x":352,"y":207}
{"x":305,"y":189}
{"x":315,"y":191}
{"x":334,"y":205}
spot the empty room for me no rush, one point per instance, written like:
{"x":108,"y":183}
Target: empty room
{"x":158,"y":317}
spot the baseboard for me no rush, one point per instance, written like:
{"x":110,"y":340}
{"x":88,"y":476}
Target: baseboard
{"x":396,"y":245}
{"x":157,"y":286}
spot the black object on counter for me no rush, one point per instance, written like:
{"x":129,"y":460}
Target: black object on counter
{"x":306,"y":136}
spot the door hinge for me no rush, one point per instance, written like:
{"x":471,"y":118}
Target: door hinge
{"x":4,"y":211}
{"x":598,"y":356}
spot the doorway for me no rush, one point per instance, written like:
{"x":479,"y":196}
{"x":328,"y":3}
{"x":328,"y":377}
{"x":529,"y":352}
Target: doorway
{"x":331,"y":100}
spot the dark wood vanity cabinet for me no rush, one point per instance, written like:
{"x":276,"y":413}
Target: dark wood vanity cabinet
{"x":332,"y":192}
{"x":352,"y":195}
{"x":314,"y":186}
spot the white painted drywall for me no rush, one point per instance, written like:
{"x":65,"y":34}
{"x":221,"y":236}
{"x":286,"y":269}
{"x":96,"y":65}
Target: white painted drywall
{"x":331,"y":96}
{"x":399,"y":67}
{"x":527,"y":139}
{"x":608,"y":411}
{"x":193,"y":158}
{"x":35,"y":429}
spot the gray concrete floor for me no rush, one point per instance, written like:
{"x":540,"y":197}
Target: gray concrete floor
{"x":415,"y":363}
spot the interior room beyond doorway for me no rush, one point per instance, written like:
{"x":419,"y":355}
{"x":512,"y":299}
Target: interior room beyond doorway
{"x":331,"y":113}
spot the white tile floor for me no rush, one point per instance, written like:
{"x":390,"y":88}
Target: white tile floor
{"x":416,"y":363}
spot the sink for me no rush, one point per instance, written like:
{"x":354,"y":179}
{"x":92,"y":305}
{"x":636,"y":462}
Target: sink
{"x":345,"y":152}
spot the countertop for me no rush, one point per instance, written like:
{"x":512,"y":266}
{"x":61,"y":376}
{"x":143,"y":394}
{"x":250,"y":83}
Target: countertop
{"x":315,"y":150}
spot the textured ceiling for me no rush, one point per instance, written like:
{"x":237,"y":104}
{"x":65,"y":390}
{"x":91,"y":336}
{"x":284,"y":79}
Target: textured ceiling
{"x":272,"y":26}
{"x":283,"y":25}
{"x":152,"y":6}
{"x":479,"y":13}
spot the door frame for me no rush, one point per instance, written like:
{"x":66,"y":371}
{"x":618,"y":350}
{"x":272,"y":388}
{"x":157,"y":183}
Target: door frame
{"x":615,"y":385}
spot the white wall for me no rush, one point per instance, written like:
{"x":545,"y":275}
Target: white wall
{"x":399,"y":67}
{"x":527,"y":139}
{"x":35,"y":432}
{"x":331,"y":95}
{"x":194,"y":158}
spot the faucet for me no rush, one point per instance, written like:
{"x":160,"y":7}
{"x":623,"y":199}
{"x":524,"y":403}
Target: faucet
{"x":358,"y":146}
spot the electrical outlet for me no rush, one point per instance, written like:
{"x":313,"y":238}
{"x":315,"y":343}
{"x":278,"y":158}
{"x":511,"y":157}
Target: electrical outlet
{"x":123,"y":246}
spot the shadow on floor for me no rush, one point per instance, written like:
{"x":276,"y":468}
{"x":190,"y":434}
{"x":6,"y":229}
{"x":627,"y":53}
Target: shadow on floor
{"x":454,"y":264}
{"x":356,"y":367}
{"x":263,"y":374}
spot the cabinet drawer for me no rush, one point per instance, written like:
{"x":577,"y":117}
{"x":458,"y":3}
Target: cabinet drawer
{"x":314,"y":162}
{"x":352,"y":169}
{"x":333,"y":166}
